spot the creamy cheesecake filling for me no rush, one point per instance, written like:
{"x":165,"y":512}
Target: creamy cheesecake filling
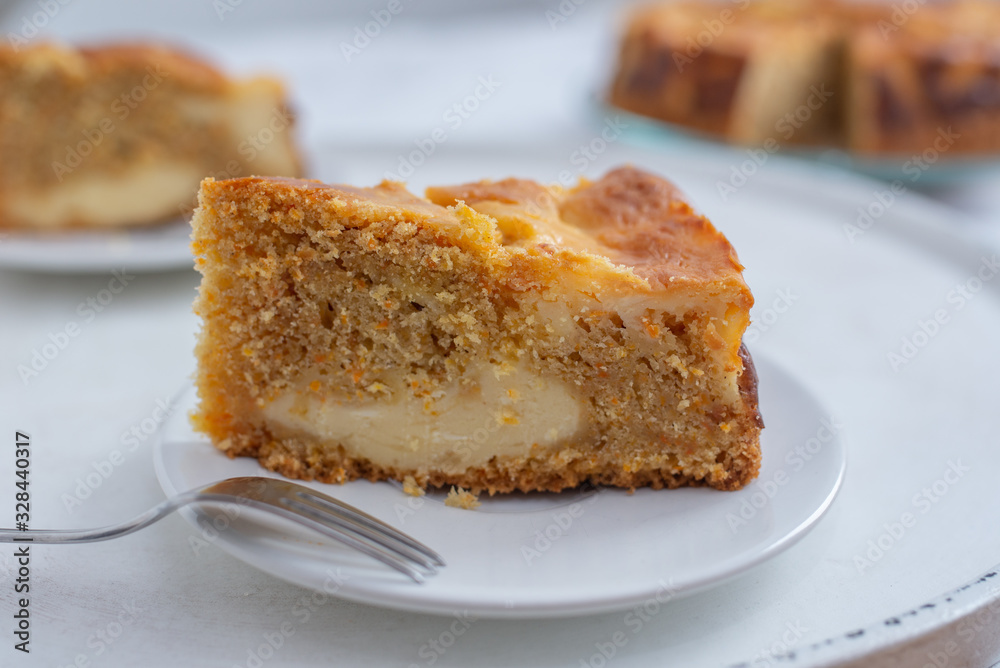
{"x":496,"y":410}
{"x":107,"y":200}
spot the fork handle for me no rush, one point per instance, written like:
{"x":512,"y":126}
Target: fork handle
{"x":57,"y":536}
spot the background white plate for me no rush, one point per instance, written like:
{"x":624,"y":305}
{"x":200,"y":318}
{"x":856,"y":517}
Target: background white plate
{"x":145,"y":249}
{"x":543,"y":555}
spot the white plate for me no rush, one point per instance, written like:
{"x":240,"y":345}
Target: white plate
{"x":545,"y":555}
{"x":157,"y":248}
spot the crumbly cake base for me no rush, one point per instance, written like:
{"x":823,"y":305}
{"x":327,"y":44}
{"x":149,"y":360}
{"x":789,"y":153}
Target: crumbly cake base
{"x":302,"y":459}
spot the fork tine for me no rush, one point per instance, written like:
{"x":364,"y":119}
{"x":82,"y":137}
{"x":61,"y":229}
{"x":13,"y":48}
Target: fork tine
{"x":299,"y":502}
{"x":353,"y":541}
{"x":365,"y":520}
{"x":377,"y":536}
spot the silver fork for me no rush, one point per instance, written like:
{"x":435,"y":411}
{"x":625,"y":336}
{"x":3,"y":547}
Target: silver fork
{"x":319,"y":512}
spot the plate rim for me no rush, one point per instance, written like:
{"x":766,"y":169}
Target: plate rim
{"x":79,"y":243}
{"x":575,"y":606}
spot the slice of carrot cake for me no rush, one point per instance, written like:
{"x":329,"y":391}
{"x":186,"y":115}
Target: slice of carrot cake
{"x":495,"y":336}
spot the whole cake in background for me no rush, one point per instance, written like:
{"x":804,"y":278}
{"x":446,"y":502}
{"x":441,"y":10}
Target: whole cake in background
{"x":496,"y":336}
{"x":122,"y":135}
{"x":873,"y":78}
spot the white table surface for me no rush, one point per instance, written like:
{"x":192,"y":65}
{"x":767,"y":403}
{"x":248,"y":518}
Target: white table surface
{"x":177,"y":601}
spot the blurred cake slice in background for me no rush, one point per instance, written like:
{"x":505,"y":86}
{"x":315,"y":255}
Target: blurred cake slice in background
{"x":874,"y":78}
{"x":121,"y":135}
{"x":733,"y":70}
{"x":930,"y":82}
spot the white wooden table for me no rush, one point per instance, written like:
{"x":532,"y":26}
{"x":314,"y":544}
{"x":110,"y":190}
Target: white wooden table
{"x":168,"y":597}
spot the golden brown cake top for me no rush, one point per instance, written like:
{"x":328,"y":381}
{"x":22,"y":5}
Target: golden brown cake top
{"x":630,"y":229}
{"x":689,"y":18}
{"x":631,"y":217}
{"x":963,"y":30}
{"x":946,"y":20}
{"x":84,"y":63}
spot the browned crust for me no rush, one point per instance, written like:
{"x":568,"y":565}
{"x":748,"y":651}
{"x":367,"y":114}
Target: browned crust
{"x":645,"y":222}
{"x":748,"y":387}
{"x":184,"y":67}
{"x":651,"y":82}
{"x":638,"y":219}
